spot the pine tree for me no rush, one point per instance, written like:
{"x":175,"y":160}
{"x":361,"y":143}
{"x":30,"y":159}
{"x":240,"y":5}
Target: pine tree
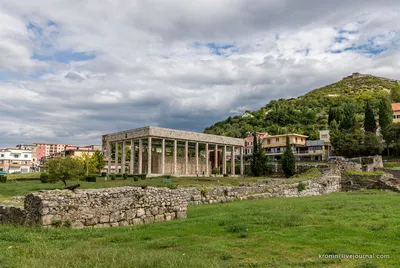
{"x":349,"y":120}
{"x":369,"y":119}
{"x":288,"y":160}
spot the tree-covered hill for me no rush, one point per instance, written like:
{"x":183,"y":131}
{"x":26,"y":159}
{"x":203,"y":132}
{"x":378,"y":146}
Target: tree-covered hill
{"x":309,"y":113}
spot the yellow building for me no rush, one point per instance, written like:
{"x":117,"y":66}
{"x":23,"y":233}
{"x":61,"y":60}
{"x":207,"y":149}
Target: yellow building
{"x":396,"y":112}
{"x":274,"y":145}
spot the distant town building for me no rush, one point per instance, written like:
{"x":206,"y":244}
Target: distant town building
{"x":249,"y":140}
{"x":45,"y":149}
{"x":396,"y":112}
{"x":15,"y":160}
{"x":72,"y":151}
{"x":275,"y":145}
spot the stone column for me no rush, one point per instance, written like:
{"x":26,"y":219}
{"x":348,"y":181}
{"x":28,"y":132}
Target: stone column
{"x":175,"y":155}
{"x":123,"y":157}
{"x":140,"y":167}
{"x":186,"y":157}
{"x":233,"y":160}
{"x":163,"y":156}
{"x":216,"y":158}
{"x":116,"y":164}
{"x":241,"y":162}
{"x":224,"y":160}
{"x":197,"y":158}
{"x":108,"y":148}
{"x":132,"y":164}
{"x":207,"y":159}
{"x":149,"y":156}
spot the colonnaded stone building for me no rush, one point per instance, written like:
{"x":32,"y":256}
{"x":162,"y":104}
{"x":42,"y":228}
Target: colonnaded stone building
{"x":171,"y":151}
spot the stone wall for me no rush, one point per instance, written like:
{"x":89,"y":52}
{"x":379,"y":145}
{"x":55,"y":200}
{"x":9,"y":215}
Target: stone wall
{"x":300,"y":168}
{"x":98,"y":207}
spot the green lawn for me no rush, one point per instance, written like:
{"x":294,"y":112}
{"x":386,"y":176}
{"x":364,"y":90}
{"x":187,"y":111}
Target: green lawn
{"x":23,"y":187}
{"x":276,"y":232}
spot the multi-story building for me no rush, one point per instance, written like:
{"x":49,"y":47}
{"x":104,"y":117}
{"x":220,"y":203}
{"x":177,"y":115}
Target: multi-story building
{"x":275,"y":145}
{"x":15,"y":160}
{"x":396,"y":112}
{"x":72,"y":151}
{"x":45,"y":149}
{"x":249,"y":140}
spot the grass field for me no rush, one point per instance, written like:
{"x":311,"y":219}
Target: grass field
{"x":278,"y":232}
{"x":23,"y":187}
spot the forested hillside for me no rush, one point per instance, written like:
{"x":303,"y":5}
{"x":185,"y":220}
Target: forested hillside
{"x":309,"y":113}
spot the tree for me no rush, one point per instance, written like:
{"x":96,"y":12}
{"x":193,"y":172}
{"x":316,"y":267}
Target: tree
{"x":369,"y":119}
{"x":385,"y":120}
{"x":89,"y":163}
{"x":288,"y":160}
{"x":100,"y":160}
{"x":335,"y":113}
{"x":259,"y":163}
{"x":372,"y":144}
{"x":64,"y":169}
{"x":349,"y":120}
{"x":335,"y":136}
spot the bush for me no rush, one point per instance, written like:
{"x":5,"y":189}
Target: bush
{"x":226,"y":175}
{"x":130,"y":176}
{"x":3,"y":178}
{"x":301,"y":186}
{"x":142,"y":176}
{"x":104,"y":174}
{"x":113,"y":177}
{"x":91,"y":178}
{"x":136,"y":177}
{"x":204,"y":192}
{"x":215,"y":171}
{"x":44,"y":177}
{"x":118,"y":175}
{"x":124,"y":176}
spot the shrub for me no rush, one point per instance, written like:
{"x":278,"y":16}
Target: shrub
{"x":142,"y":176}
{"x":203,"y":192}
{"x":215,"y":171}
{"x":226,"y":175}
{"x":136,"y":177}
{"x":301,"y":186}
{"x":44,"y":177}
{"x":130,"y":176}
{"x":67,"y":223}
{"x":3,"y":178}
{"x":113,"y":177}
{"x":118,"y":175}
{"x":56,"y":223}
{"x":104,"y":174}
{"x":125,"y":176}
{"x":90,"y":178}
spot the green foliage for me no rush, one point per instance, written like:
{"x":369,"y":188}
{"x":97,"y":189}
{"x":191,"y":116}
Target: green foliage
{"x":288,"y":160}
{"x":64,"y":169}
{"x":118,"y":175}
{"x":90,"y":178}
{"x":259,"y":163}
{"x":113,"y":176}
{"x":391,"y":164}
{"x":215,"y":171}
{"x":349,"y":172}
{"x":89,"y":163}
{"x":104,"y":174}
{"x":385,"y":118}
{"x":125,"y":176}
{"x":56,"y":223}
{"x":100,"y":163}
{"x":136,"y":177}
{"x":369,"y":119}
{"x":44,"y":177}
{"x":309,"y":113}
{"x":349,"y":120}
{"x":204,"y":192}
{"x":372,"y":144}
{"x":301,"y":187}
{"x":3,"y":178}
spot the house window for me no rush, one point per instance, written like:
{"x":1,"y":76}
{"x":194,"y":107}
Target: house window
{"x":398,"y":116}
{"x":2,"y":155}
{"x":296,"y":139}
{"x":394,"y":116}
{"x":16,"y":156}
{"x":324,"y":136}
{"x":26,"y":156}
{"x":269,"y":141}
{"x":277,"y":139}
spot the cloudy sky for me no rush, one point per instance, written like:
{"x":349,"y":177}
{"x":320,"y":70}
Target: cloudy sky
{"x":72,"y":70}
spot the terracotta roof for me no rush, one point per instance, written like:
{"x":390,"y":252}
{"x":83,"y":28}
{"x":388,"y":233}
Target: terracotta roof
{"x":396,"y":106}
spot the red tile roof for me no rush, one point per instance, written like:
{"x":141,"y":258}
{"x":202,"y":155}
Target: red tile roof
{"x":396,"y":106}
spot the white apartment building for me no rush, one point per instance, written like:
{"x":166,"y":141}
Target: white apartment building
{"x":15,"y":160}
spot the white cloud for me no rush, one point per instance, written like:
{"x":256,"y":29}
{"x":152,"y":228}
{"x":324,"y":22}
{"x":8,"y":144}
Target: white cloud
{"x":154,"y":61}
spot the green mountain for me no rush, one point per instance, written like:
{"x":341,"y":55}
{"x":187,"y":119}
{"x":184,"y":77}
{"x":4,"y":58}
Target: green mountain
{"x":309,"y":113}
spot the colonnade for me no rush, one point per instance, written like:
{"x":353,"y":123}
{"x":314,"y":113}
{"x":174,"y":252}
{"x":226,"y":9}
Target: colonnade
{"x":139,"y":142}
